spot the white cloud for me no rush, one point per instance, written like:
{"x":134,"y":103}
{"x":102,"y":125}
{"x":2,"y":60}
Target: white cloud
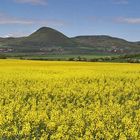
{"x":17,"y":34}
{"x":125,"y":20}
{"x":7,"y":19}
{"x":34,"y":2}
{"x":120,"y":1}
{"x":128,"y":20}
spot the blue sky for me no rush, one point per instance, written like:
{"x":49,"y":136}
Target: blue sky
{"x":119,"y":18}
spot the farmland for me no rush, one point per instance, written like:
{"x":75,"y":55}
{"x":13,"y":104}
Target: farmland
{"x":69,"y":100}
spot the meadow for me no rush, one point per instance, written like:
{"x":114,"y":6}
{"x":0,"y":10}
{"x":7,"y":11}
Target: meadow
{"x":69,"y":100}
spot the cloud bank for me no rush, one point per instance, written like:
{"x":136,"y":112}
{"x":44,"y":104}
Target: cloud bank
{"x":7,"y":19}
{"x":120,"y":1}
{"x":34,"y":2}
{"x":128,"y":20}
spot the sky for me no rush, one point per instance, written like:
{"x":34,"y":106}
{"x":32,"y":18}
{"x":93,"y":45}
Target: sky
{"x":118,"y":18}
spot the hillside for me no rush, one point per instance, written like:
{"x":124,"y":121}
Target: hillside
{"x":44,"y":39}
{"x":108,"y":44}
{"x":47,"y":41}
{"x":48,"y":37}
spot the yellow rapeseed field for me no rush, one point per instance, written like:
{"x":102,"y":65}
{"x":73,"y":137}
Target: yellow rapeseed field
{"x":69,"y":100}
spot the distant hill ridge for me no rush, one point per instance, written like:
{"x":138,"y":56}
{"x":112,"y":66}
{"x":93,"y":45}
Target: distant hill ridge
{"x":49,"y":40}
